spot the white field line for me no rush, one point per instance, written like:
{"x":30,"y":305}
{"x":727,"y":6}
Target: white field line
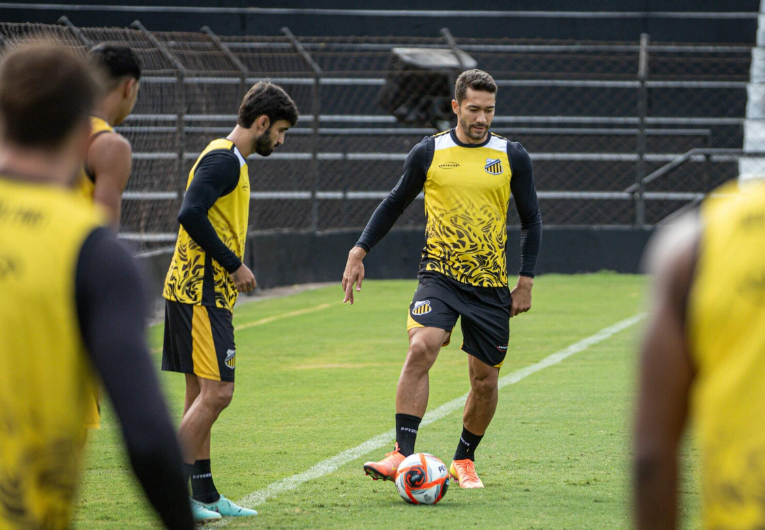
{"x":331,"y":464}
{"x":268,"y":320}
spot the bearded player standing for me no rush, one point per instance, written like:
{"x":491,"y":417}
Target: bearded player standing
{"x":468,"y":175}
{"x":206,"y":276}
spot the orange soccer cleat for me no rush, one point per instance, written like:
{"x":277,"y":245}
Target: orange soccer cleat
{"x":386,"y":468}
{"x":463,"y":471}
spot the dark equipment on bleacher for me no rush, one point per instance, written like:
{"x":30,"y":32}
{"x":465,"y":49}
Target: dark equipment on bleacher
{"x":419,"y":87}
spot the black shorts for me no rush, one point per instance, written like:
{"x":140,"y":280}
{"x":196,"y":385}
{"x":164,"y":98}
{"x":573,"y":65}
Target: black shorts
{"x":199,"y":340}
{"x":485,"y":312}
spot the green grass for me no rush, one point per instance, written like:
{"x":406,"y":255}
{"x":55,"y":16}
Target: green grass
{"x":309,"y":386}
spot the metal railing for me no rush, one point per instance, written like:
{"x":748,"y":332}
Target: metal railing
{"x":597,"y":119}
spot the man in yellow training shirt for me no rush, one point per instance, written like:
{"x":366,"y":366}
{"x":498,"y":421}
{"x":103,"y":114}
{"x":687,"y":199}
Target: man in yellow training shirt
{"x":70,"y":300}
{"x":704,"y":358}
{"x":206,"y":276}
{"x":467,"y":175}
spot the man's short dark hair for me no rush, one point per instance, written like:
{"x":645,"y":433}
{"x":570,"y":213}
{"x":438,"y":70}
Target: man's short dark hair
{"x":269,"y":99}
{"x":45,"y":92}
{"x":475,"y":79}
{"x":115,"y":62}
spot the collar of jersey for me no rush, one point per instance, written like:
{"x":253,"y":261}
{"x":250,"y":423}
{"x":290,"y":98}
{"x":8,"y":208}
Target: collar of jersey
{"x":29,"y":178}
{"x":242,"y":160}
{"x":457,"y":140}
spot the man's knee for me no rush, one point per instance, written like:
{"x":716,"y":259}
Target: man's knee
{"x":484,"y":385}
{"x":218,"y":396}
{"x":422,"y":354}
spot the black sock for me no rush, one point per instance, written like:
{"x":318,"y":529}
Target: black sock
{"x":406,"y":433}
{"x":467,"y":445}
{"x":202,"y":486}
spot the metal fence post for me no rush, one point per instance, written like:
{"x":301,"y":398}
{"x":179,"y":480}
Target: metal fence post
{"x":316,"y":110}
{"x":243,"y":71}
{"x":180,"y":102}
{"x":79,"y":35}
{"x":641,"y":137}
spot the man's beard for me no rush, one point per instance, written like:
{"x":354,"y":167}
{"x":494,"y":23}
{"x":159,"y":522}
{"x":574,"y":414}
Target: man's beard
{"x":474,"y":135}
{"x":264,"y":146}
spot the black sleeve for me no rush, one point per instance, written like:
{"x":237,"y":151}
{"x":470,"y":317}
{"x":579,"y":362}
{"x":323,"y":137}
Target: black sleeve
{"x":409,"y":186}
{"x":216,"y":175}
{"x":525,"y":196}
{"x":111,"y":310}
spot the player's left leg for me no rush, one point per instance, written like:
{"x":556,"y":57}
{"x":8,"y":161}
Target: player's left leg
{"x":477,"y":415}
{"x":486,"y":331}
{"x":209,"y":365}
{"x":199,"y":461}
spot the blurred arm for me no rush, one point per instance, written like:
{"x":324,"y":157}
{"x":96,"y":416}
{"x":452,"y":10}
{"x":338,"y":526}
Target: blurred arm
{"x":111,"y":311}
{"x":666,"y":374}
{"x":110,"y":158}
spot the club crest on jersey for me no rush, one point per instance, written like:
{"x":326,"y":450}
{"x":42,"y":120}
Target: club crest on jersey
{"x":493,"y":166}
{"x":421,"y":308}
{"x":231,"y":359}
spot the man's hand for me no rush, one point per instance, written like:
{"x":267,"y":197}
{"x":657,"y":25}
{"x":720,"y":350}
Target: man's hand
{"x":521,"y":296}
{"x":354,"y":272}
{"x":244,"y":279}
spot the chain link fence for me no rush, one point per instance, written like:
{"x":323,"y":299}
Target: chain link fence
{"x":595,"y":123}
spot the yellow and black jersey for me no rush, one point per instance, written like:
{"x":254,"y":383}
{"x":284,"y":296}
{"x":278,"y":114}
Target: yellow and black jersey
{"x":211,"y":239}
{"x":726,"y":332}
{"x":86,"y":181}
{"x":44,"y":368}
{"x":467,"y":189}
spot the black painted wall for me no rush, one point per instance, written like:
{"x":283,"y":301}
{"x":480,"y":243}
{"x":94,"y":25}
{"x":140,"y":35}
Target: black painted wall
{"x":285,"y":259}
{"x":288,"y":259}
{"x":719,"y":30}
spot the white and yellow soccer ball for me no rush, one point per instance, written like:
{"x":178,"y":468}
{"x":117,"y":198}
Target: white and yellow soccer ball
{"x":422,"y":479}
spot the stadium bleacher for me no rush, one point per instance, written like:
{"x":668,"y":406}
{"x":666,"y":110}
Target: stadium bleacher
{"x":573,"y":104}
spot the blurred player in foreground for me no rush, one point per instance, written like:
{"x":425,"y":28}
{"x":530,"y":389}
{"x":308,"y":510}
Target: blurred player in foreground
{"x":206,"y":276}
{"x":703,"y":357}
{"x":70,"y":298}
{"x":108,"y":160}
{"x":467,"y":174}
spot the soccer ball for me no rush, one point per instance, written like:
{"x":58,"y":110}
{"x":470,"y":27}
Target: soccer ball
{"x":422,"y":479}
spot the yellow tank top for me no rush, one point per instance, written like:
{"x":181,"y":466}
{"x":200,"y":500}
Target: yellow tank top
{"x":86,"y":181}
{"x":467,"y":191}
{"x":726,"y":323}
{"x":195,"y":278}
{"x":44,"y":369}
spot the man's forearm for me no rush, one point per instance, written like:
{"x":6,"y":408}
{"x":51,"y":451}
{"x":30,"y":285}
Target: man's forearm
{"x":531,"y":242}
{"x":656,"y":492}
{"x":382,"y":220}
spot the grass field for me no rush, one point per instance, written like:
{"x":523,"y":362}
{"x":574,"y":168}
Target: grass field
{"x":315,"y":378}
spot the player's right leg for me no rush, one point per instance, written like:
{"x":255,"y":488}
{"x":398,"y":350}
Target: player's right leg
{"x":199,"y":342}
{"x":432,"y":316}
{"x":411,"y":398}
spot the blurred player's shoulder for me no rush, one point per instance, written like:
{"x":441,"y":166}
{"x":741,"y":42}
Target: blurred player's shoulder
{"x":733,"y":198}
